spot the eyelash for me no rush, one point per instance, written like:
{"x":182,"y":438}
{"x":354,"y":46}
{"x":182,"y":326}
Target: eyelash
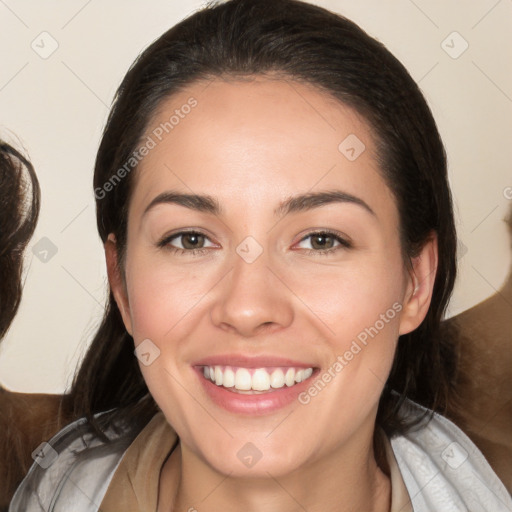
{"x":164,"y":244}
{"x":343,"y":243}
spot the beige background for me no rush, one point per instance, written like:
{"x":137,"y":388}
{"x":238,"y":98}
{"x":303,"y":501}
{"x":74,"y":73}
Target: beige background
{"x":57,"y":107}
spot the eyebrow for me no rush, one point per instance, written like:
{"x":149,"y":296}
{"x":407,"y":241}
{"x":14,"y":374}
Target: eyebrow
{"x":308,"y":201}
{"x":200,"y":203}
{"x":299,"y":203}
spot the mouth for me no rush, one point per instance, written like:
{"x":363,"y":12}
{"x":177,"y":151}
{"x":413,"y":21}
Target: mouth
{"x":253,"y":386}
{"x":255,"y":380}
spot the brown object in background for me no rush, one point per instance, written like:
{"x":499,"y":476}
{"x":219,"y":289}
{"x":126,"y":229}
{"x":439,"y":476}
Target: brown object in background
{"x":26,"y":420}
{"x":483,"y":403}
{"x":483,"y":408}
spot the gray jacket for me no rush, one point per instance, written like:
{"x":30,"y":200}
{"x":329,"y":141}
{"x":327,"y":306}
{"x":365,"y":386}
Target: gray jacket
{"x":441,"y":467}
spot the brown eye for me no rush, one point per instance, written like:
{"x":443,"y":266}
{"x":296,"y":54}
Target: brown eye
{"x":322,"y":241}
{"x":187,"y":242}
{"x":192,"y":240}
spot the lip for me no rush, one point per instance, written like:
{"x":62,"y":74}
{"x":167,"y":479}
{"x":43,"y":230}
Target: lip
{"x":246,"y":361}
{"x":257,"y":404}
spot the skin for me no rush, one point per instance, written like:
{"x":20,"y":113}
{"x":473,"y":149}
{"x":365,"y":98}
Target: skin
{"x":252,"y":145}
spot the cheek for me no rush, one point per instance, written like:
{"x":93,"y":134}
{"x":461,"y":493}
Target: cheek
{"x":160,"y":297}
{"x":352,"y":298}
{"x":361,"y":306}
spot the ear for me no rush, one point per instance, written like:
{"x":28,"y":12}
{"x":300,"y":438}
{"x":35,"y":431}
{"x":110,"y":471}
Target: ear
{"x":117,"y":284}
{"x":420,"y":285}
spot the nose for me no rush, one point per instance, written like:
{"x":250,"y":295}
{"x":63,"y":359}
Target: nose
{"x":252,"y":300}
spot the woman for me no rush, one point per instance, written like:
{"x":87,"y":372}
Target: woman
{"x":272,"y":196}
{"x":26,"y":419}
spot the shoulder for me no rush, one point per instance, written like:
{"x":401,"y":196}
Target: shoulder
{"x":444,"y":470}
{"x":71,"y":471}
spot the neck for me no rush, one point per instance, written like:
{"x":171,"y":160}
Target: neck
{"x":336,"y":482}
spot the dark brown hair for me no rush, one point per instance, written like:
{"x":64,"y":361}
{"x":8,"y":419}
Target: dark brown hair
{"x":20,"y":198}
{"x":19,"y":210}
{"x":301,"y":42}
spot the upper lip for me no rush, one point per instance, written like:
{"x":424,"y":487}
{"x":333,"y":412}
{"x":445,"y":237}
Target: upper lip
{"x":245,"y":361}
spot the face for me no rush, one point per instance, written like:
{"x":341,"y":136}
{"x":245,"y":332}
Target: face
{"x":263,"y":251}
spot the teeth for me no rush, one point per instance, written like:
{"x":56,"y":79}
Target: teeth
{"x":218,"y":376}
{"x":259,"y":379}
{"x":289,"y":378}
{"x":229,"y":378}
{"x":242,"y":379}
{"x":277,"y":379}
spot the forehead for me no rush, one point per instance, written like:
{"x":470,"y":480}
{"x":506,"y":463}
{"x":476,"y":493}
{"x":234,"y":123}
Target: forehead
{"x":257,"y":139}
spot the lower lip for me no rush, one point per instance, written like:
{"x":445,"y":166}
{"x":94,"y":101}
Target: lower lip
{"x":257,"y":404}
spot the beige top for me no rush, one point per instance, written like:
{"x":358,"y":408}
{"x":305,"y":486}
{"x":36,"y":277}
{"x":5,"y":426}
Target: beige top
{"x":134,"y":486}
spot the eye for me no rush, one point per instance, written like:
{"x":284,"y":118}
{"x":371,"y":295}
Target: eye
{"x":324,"y":242}
{"x":191,"y":242}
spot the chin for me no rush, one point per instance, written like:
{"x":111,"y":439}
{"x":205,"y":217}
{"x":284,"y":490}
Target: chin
{"x":242,"y":458}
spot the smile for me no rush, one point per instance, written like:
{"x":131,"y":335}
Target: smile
{"x":259,"y":380}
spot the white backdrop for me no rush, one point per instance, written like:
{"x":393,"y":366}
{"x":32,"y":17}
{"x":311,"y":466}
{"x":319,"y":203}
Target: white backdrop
{"x":61,"y":63}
